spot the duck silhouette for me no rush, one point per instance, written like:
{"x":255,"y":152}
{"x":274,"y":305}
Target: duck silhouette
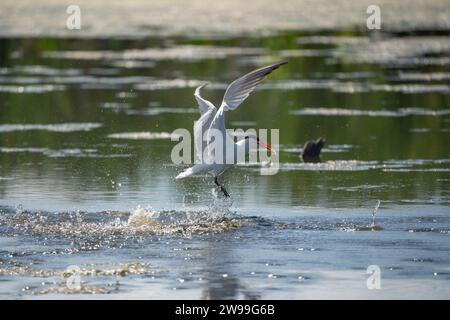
{"x":311,"y":150}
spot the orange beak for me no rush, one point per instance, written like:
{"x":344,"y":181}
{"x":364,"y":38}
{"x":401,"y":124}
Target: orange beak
{"x":265,"y":146}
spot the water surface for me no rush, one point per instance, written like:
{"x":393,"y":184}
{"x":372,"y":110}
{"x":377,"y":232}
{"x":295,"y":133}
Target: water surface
{"x":86,"y":177}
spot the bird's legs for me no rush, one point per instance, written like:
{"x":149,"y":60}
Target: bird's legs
{"x":221,"y":187}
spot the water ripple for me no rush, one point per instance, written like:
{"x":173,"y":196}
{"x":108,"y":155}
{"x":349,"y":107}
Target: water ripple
{"x":54,"y":127}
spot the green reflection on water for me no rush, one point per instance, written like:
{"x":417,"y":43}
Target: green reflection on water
{"x":147,"y":167}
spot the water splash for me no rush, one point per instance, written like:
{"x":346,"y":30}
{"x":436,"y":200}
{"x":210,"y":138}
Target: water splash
{"x":95,"y":230}
{"x":372,"y":226}
{"x":374,"y":213}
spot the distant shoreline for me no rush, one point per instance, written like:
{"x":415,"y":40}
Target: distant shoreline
{"x":113,"y":19}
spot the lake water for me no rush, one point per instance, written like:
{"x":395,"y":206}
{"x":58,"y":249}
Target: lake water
{"x":87,"y":182}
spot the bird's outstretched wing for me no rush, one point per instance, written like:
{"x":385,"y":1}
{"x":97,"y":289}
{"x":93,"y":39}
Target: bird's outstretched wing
{"x":241,"y":88}
{"x":207,"y":111}
{"x":203,"y":104}
{"x":237,"y":92}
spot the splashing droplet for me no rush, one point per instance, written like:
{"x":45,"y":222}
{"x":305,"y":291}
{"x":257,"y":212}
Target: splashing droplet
{"x":374,"y":213}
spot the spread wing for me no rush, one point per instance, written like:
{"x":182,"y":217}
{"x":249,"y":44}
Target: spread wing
{"x":214,"y":119}
{"x":203,"y":104}
{"x":241,"y":88}
{"x":207,"y":111}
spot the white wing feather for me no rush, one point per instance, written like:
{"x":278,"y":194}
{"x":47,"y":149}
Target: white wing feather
{"x":241,"y":88}
{"x":211,"y":118}
{"x":207,"y":111}
{"x":203,"y":104}
{"x":218,"y":123}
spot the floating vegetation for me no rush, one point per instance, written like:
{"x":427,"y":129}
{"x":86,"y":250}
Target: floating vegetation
{"x":64,"y":278}
{"x":56,"y":127}
{"x":407,"y":165}
{"x":146,"y":135}
{"x":161,"y":110}
{"x":338,"y":165}
{"x":115,"y":269}
{"x":402,"y":112}
{"x":62,"y":288}
{"x":433,"y":230}
{"x":63,"y":153}
{"x":43,"y":88}
{"x":181,"y":52}
{"x":115,"y":106}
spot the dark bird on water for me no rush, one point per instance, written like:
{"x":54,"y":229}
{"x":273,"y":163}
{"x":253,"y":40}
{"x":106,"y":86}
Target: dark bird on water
{"x":311,"y":150}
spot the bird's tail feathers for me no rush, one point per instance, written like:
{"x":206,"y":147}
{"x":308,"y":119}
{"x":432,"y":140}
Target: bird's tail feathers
{"x":184,"y":174}
{"x":198,"y":168}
